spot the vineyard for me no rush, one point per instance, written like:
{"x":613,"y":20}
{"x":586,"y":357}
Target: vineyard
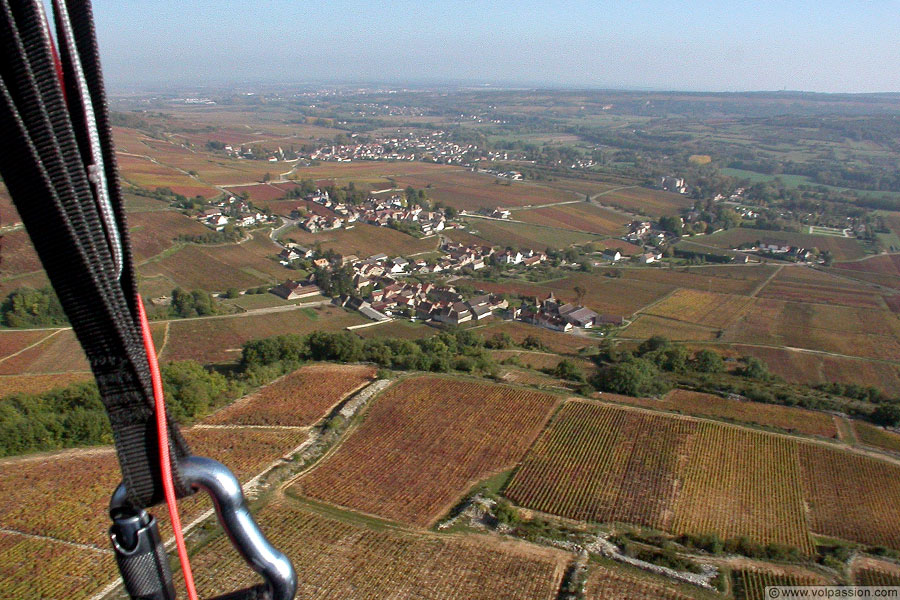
{"x":877,"y":577}
{"x":72,"y":488}
{"x":155,"y":231}
{"x":702,"y":308}
{"x":16,"y":340}
{"x":608,"y":584}
{"x":581,"y":216}
{"x":37,"y":569}
{"x":33,"y":384}
{"x":340,"y":561}
{"x":364,"y":240}
{"x":797,"y":420}
{"x":19,"y":255}
{"x":722,"y":279}
{"x":851,"y":496}
{"x":739,"y":482}
{"x":841,"y":248}
{"x":600,"y":463}
{"x":525,"y":235}
{"x":646,"y":326}
{"x":424,"y":442}
{"x":877,"y":437}
{"x":298,"y":399}
{"x":806,"y":367}
{"x":807,"y":285}
{"x":56,"y":353}
{"x":862,"y":332}
{"x":220,"y":340}
{"x":750,"y":584}
{"x":553,"y":341}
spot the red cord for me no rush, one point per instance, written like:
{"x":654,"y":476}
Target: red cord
{"x":165,"y":464}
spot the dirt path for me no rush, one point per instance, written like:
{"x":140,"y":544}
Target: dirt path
{"x":759,"y":288}
{"x":40,"y":341}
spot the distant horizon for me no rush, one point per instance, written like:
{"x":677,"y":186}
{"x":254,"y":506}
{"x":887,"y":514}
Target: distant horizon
{"x":650,"y":45}
{"x":247,"y":86}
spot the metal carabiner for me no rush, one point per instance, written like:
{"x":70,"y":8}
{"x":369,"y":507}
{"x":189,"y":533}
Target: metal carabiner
{"x":225,"y":490}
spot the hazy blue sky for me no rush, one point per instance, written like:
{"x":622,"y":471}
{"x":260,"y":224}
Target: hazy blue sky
{"x":824,"y":45}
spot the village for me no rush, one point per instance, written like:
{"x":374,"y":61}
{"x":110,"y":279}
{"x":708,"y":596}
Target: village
{"x":432,"y":146}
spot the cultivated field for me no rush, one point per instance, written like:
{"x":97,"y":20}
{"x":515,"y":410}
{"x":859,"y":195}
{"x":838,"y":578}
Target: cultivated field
{"x":341,"y":561}
{"x":217,"y":268}
{"x":619,"y":297}
{"x":298,"y":399}
{"x":600,"y":463}
{"x":424,"y":442}
{"x":646,"y":326}
{"x":840,"y":248}
{"x":800,"y":284}
{"x":57,"y":352}
{"x":581,"y":216}
{"x":465,"y":190}
{"x":220,"y":339}
{"x":16,"y":340}
{"x":154,"y":232}
{"x":740,"y":280}
{"x":34,"y":384}
{"x":851,"y":496}
{"x":798,"y":420}
{"x":39,"y":569}
{"x":806,"y":367}
{"x":142,"y":172}
{"x":524,"y":235}
{"x":554,"y":341}
{"x":365,"y":240}
{"x":644,"y":201}
{"x":877,"y":577}
{"x":739,"y":482}
{"x":859,"y":332}
{"x":750,"y":584}
{"x":876,"y":436}
{"x":617,"y":584}
{"x":18,"y":255}
{"x":72,"y":488}
{"x":542,"y":360}
{"x":718,"y":311}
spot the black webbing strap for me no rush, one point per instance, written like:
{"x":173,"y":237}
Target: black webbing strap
{"x":44,"y":159}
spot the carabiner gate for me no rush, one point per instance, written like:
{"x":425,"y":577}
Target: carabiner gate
{"x":225,"y":490}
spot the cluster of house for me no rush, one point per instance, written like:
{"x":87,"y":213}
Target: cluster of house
{"x":511,"y":175}
{"x":434,"y":145}
{"x":374,"y":211}
{"x":232,"y":211}
{"x":793,"y":252}
{"x":673,"y":184}
{"x":259,"y":154}
{"x":424,"y":301}
{"x":550,"y":313}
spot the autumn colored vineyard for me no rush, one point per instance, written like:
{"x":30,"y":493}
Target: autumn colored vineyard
{"x":739,"y":482}
{"x":702,"y":308}
{"x":38,"y":569}
{"x":877,"y":437}
{"x":600,"y":463}
{"x":72,"y":488}
{"x":424,"y":442}
{"x":877,"y":577}
{"x":603,"y":463}
{"x":792,"y":419}
{"x":750,"y":584}
{"x":340,"y":561}
{"x":300,"y":398}
{"x":851,"y":496}
{"x":608,"y":584}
